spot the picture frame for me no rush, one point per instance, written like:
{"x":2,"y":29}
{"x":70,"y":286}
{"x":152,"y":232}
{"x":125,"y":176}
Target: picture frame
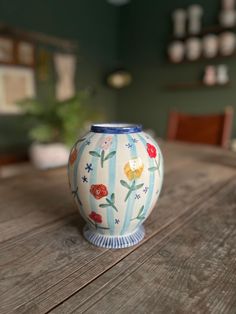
{"x":16,"y":83}
{"x":7,"y":54}
{"x":25,"y":53}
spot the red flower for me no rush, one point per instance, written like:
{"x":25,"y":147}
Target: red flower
{"x":98,"y":191}
{"x":151,"y":150}
{"x":96,"y":217}
{"x":73,"y":156}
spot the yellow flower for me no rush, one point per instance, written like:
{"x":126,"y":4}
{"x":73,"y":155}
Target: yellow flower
{"x":134,"y":168}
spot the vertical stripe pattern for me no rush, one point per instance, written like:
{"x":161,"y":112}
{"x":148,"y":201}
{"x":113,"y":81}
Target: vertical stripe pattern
{"x":112,"y":183}
{"x":76,"y":165}
{"x":131,"y":200}
{"x":151,"y":180}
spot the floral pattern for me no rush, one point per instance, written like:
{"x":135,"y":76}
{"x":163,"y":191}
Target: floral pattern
{"x":98,"y":191}
{"x":110,"y":203}
{"x":73,"y":156}
{"x":134,"y":168}
{"x":140,"y":215}
{"x":151,"y":150}
{"x":97,"y":218}
{"x":106,"y":143}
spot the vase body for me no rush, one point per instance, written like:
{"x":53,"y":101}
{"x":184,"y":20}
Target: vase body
{"x":115,"y":175}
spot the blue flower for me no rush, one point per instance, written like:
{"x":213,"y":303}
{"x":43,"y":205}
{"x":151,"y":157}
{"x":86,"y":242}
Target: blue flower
{"x":84,"y":179}
{"x":89,"y":167}
{"x":128,"y":145}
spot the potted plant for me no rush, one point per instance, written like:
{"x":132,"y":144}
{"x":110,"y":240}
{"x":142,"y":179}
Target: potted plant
{"x":54,"y":127}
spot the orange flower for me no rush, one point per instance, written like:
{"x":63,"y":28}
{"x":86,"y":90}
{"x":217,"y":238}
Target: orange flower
{"x":151,"y":150}
{"x":98,"y":190}
{"x":73,"y":156}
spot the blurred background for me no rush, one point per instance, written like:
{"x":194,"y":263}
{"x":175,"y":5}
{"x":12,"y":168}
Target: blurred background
{"x":64,"y":65}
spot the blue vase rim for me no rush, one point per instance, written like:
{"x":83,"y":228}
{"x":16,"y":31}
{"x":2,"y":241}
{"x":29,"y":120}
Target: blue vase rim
{"x":116,"y":128}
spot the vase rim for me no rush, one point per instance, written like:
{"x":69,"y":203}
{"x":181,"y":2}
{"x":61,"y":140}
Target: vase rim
{"x":116,"y":128}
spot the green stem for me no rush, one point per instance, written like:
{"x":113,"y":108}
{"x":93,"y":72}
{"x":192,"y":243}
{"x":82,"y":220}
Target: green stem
{"x":128,"y":194}
{"x":102,"y":158}
{"x":113,"y":206}
{"x":156,"y":163}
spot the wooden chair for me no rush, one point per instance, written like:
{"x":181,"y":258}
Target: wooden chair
{"x":213,"y":129}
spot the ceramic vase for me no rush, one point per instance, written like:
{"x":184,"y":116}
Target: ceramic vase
{"x":210,"y":44}
{"x":176,"y":51}
{"x":115,"y":176}
{"x":222,"y":74}
{"x":195,"y":13}
{"x":179,"y":17}
{"x":210,"y":78}
{"x":193,"y":48}
{"x":227,"y":43}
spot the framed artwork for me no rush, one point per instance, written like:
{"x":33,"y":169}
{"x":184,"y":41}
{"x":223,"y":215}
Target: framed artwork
{"x":6,"y":50}
{"x":15,"y":84}
{"x":25,"y":53}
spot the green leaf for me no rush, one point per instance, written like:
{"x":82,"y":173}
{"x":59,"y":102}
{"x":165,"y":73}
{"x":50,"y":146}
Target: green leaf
{"x":138,"y":186}
{"x":108,"y":201}
{"x":95,"y":154}
{"x":152,"y":169}
{"x":125,"y":184}
{"x":140,"y":217}
{"x":141,"y":210}
{"x":128,"y":195}
{"x":113,"y":197}
{"x":113,"y":206}
{"x":104,"y":205}
{"x":111,"y":154}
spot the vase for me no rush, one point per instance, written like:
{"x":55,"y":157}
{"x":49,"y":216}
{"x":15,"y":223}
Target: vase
{"x":210,"y":44}
{"x":115,"y":176}
{"x":227,"y":43}
{"x":193,"y":48}
{"x":47,"y":156}
{"x":176,"y":51}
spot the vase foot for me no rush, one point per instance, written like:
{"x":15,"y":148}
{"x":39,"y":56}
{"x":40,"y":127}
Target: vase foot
{"x":114,"y":242}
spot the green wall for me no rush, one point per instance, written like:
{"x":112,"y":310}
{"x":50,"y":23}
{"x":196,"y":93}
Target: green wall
{"x":145,"y":30}
{"x":93,"y":23}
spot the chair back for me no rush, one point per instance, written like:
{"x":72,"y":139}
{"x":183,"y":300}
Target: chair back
{"x":213,"y":129}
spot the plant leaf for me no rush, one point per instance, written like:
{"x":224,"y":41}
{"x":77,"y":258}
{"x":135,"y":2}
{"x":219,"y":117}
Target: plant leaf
{"x":140,"y":217}
{"x":95,"y":154}
{"x":104,"y":205}
{"x":109,"y":202}
{"x":128,"y":195}
{"x":111,"y":154}
{"x":152,"y":169}
{"x":125,"y":184}
{"x":138,"y":186}
{"x":113,"y":197}
{"x":141,"y":210}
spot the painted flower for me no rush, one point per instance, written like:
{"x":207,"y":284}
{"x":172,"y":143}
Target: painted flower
{"x":95,"y":217}
{"x":73,"y":156}
{"x":106,"y":142}
{"x":134,"y":168}
{"x":151,"y":150}
{"x":98,"y":190}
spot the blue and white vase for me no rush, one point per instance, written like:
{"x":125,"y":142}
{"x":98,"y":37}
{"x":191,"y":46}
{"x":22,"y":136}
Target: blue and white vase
{"x":115,"y":175}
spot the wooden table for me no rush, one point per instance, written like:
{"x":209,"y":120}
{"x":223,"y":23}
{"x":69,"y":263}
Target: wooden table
{"x":185,"y":264}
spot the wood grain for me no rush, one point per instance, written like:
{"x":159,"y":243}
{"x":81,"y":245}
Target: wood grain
{"x":45,"y":263}
{"x":190,"y":270}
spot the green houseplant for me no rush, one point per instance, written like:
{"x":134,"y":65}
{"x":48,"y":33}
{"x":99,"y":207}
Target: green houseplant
{"x":54,"y":126}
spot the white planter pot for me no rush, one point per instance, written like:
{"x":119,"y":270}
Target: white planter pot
{"x":45,"y":156}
